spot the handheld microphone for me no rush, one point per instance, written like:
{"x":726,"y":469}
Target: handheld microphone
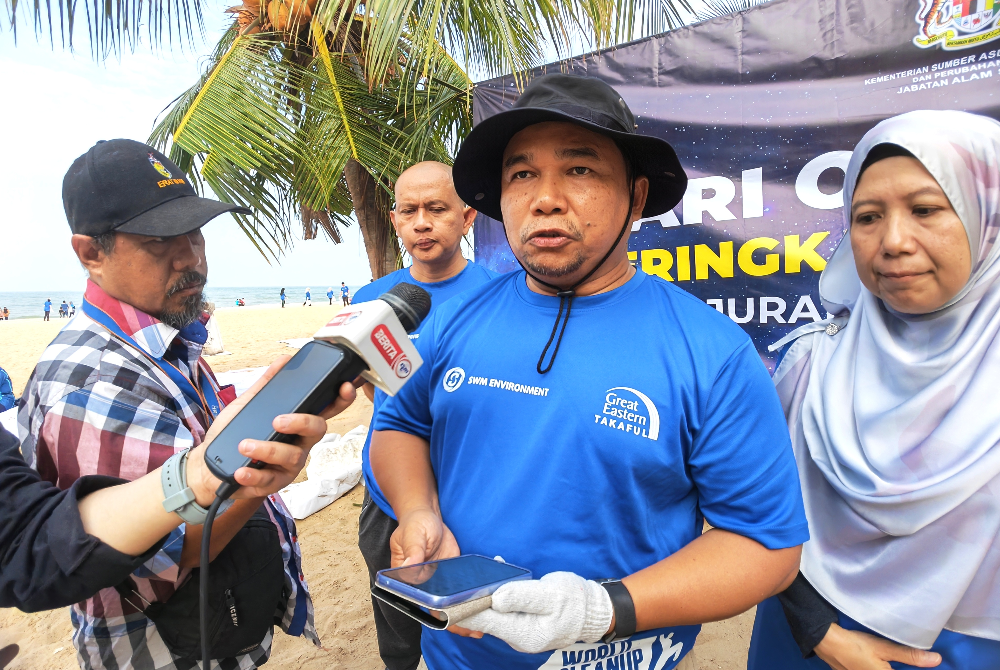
{"x":369,"y":339}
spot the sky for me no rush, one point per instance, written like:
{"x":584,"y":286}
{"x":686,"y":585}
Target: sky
{"x":57,"y":104}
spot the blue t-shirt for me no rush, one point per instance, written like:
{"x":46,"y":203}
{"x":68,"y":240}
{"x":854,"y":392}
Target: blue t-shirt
{"x":48,"y":305}
{"x":470,"y":277}
{"x":345,"y":290}
{"x":329,"y":294}
{"x":7,"y":399}
{"x":657,"y":414}
{"x":308,"y":295}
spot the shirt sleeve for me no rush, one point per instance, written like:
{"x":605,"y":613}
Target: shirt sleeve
{"x":809,"y":614}
{"x":409,"y":411}
{"x":103,"y":429}
{"x":47,"y":558}
{"x":741,"y":458}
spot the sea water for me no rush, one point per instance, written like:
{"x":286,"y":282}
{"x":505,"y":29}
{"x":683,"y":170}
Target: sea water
{"x":30,"y":304}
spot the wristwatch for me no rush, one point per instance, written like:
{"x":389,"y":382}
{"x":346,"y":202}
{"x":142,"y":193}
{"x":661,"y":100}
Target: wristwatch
{"x":178,"y":496}
{"x":624,"y":608}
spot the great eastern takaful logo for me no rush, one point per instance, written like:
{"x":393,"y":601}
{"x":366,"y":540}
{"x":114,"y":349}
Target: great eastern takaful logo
{"x":957,"y":24}
{"x":629,"y":411}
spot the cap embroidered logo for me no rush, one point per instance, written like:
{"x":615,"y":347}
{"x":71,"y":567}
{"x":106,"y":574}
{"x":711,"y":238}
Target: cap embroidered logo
{"x":155,"y":162}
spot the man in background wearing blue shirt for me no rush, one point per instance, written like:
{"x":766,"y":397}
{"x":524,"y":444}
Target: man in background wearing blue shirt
{"x":582,"y":419}
{"x":7,"y":399}
{"x":48,"y":308}
{"x":430,"y":220}
{"x":345,"y":292}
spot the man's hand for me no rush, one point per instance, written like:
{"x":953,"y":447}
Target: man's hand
{"x":852,"y":650}
{"x":421,"y":536}
{"x":539,"y":615}
{"x":284,"y":461}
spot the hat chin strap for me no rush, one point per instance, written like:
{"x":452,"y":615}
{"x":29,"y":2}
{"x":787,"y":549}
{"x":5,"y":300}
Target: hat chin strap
{"x":566,"y":295}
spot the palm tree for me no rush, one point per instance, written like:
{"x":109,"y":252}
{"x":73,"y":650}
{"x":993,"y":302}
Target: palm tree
{"x":308,"y":111}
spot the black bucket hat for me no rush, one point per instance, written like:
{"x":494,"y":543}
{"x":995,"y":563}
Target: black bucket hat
{"x":130,"y":187}
{"x":585,"y":101}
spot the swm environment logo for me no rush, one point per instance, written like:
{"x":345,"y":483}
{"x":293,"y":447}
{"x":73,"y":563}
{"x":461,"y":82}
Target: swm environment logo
{"x":957,"y":24}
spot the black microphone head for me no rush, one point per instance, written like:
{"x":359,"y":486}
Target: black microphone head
{"x":410,"y":303}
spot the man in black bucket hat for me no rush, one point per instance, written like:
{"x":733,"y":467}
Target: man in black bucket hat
{"x":582,"y":419}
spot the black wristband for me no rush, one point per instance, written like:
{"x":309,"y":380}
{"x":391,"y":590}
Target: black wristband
{"x":621,"y":601}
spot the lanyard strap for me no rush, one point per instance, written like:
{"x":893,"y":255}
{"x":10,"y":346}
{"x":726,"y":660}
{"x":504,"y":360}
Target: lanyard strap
{"x":206,"y":397}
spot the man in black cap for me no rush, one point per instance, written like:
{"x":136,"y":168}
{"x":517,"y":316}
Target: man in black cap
{"x":582,"y":419}
{"x":123,"y":390}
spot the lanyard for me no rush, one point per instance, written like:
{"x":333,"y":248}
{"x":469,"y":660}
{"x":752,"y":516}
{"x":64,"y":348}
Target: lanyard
{"x":206,"y":397}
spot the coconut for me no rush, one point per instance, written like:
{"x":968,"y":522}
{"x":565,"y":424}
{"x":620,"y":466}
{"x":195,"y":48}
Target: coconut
{"x":299,"y":13}
{"x":277,"y":12}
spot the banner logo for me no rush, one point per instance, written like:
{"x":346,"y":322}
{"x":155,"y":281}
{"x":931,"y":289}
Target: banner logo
{"x":391,"y":351}
{"x":957,"y":24}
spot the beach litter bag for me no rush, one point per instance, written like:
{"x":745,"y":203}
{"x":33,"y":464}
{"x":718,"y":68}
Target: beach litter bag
{"x":334,"y":469}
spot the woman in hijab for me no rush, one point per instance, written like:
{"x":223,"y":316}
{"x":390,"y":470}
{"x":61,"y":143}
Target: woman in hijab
{"x":893,"y":406}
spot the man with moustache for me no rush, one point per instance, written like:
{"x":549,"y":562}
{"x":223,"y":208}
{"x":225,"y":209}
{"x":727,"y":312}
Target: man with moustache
{"x":430,"y":220}
{"x":123,"y":389}
{"x":582,"y":419}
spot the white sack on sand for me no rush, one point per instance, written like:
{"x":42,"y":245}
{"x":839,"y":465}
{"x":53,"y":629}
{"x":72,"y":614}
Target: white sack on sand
{"x":241,"y":379}
{"x":213,"y":345}
{"x":8,"y":420}
{"x":334,"y":469}
{"x":297,"y":342}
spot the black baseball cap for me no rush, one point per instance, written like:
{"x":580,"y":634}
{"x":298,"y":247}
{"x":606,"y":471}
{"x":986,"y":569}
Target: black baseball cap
{"x":585,"y":101}
{"x":129,"y":187}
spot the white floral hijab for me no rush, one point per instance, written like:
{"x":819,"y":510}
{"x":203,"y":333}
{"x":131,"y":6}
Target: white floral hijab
{"x":895,"y":419}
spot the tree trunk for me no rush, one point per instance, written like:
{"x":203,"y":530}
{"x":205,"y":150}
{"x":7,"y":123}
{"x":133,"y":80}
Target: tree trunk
{"x":371,"y":206}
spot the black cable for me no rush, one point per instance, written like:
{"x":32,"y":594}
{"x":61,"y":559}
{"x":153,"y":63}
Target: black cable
{"x":224,"y":492}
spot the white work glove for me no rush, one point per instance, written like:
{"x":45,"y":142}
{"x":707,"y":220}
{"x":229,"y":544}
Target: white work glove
{"x":553,"y":612}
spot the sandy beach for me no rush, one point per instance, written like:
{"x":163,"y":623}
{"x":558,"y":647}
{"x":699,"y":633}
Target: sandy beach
{"x":333,"y":565}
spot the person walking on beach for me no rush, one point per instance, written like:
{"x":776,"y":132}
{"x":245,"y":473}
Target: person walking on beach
{"x":72,"y":309}
{"x":123,"y":389}
{"x":282,"y":296}
{"x":309,"y":300}
{"x":6,"y":314}
{"x":48,"y":308}
{"x":430,"y":220}
{"x":329,"y":294}
{"x":345,"y":294}
{"x":7,"y":399}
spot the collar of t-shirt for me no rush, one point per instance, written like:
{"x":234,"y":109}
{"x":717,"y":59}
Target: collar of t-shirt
{"x":444,"y":283}
{"x":550,"y":303}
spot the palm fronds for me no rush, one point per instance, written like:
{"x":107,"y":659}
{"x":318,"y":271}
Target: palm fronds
{"x":112,"y":26}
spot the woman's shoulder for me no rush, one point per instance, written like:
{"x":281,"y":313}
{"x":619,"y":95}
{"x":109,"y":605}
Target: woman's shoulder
{"x":799,"y":343}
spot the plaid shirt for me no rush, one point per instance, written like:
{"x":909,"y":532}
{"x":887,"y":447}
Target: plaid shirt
{"x":96,"y":404}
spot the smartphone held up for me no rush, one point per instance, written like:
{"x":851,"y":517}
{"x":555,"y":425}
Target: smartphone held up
{"x":367,"y":339}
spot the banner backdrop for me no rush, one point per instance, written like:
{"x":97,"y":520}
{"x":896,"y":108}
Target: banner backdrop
{"x":763,"y":108}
